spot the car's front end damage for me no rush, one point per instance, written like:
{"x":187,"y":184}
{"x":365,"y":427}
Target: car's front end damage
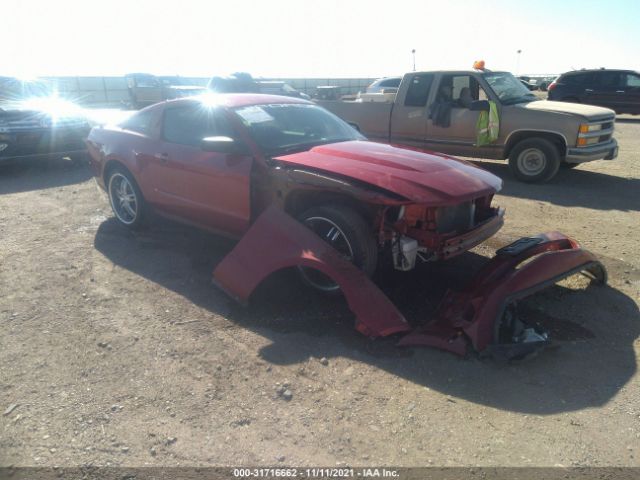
{"x":479,"y":316}
{"x":420,"y":208}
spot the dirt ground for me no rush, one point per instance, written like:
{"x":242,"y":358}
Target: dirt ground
{"x":115,"y":349}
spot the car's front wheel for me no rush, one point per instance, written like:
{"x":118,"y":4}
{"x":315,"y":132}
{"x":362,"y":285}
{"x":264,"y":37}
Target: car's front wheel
{"x":125,"y":197}
{"x":346,"y":231}
{"x":534,"y":160}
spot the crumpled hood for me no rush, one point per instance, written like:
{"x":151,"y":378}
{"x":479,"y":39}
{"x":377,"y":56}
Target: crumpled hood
{"x":587,"y":111}
{"x":426,"y":178}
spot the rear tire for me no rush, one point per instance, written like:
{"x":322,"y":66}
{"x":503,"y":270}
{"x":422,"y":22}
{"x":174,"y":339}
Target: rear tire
{"x":534,"y":160}
{"x":125,"y":197}
{"x":348,"y":232}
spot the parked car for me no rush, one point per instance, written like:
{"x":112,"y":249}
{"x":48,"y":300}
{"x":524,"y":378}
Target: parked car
{"x":387,"y":83}
{"x":618,"y":90}
{"x":146,"y":89}
{"x":245,"y":83}
{"x":34,"y":123}
{"x":530,"y":83}
{"x":438,"y":111}
{"x":251,"y":165}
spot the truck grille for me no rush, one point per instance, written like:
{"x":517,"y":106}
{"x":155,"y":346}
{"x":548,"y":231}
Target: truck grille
{"x":600,"y":131}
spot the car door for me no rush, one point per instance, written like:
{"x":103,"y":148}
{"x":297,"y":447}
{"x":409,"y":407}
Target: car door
{"x":211,"y":189}
{"x":606,"y":90}
{"x":459,"y":137}
{"x":409,"y":118}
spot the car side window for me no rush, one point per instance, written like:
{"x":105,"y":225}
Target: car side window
{"x":418,"y":91}
{"x":632,"y":80}
{"x":141,"y":122}
{"x":188,"y":125}
{"x":578,"y":79}
{"x":609,"y":79}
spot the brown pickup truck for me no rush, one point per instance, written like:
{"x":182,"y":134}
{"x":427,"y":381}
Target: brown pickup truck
{"x":438,"y":111}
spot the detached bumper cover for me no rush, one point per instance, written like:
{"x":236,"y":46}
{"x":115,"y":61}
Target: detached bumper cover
{"x":464,"y":318}
{"x":472,"y":315}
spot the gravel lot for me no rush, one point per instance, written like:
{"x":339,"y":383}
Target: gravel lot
{"x":116,"y":350}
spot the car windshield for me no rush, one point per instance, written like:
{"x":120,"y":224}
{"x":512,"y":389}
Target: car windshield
{"x":508,"y":88}
{"x":288,"y":128}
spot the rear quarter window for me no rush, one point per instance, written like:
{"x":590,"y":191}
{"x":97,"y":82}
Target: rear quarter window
{"x":577,"y":79}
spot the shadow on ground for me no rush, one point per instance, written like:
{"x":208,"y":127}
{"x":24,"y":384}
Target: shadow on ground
{"x":594,"y":359}
{"x":35,"y":174}
{"x":573,"y":188}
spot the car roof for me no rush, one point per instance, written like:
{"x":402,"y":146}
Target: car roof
{"x":232,"y":100}
{"x":592,"y":70}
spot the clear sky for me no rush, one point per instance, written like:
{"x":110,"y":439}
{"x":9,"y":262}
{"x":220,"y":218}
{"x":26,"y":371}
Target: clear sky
{"x":318,"y":38}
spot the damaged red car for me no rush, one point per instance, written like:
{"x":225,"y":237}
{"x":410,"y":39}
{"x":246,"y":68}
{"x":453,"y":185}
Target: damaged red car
{"x":301,"y":188}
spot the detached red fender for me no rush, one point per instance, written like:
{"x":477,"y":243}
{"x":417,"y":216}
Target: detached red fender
{"x":277,"y":241}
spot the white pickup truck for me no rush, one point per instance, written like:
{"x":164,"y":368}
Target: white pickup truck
{"x":438,"y":111}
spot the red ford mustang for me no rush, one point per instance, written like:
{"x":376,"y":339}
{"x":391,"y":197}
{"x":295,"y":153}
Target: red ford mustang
{"x":226,"y":163}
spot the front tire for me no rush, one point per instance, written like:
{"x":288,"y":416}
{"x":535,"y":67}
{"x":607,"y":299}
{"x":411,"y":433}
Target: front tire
{"x":534,"y":160}
{"x":348,"y":232}
{"x":126,"y":199}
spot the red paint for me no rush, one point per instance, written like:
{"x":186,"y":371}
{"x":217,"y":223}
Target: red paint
{"x":423,"y":178}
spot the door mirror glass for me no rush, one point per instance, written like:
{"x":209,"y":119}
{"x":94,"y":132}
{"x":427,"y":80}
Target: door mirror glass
{"x":479,"y":106}
{"x":220,"y":144}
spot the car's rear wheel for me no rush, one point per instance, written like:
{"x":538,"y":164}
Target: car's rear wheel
{"x":346,"y":231}
{"x":126,"y":198}
{"x":534,"y":160}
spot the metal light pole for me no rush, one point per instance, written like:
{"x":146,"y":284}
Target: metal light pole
{"x":413,"y":52}
{"x":518,"y":62}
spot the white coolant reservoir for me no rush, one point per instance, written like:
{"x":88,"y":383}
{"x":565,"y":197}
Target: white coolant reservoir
{"x":404,"y":251}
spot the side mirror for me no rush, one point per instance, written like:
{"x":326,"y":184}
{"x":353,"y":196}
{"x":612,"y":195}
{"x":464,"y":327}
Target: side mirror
{"x":222,"y":145}
{"x":479,"y":106}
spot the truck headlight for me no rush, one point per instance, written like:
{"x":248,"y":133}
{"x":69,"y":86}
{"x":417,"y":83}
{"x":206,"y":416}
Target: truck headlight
{"x":586,"y":128}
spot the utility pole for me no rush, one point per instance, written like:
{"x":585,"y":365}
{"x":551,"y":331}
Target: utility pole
{"x":413,"y":52}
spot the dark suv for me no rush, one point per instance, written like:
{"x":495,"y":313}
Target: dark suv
{"x":618,"y":90}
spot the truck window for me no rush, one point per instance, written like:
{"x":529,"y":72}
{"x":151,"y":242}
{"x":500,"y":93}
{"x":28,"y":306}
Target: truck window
{"x":461,"y":90}
{"x":418,"y":91}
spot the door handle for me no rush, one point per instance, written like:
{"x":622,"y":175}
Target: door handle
{"x":619,"y":91}
{"x":163,"y":157}
{"x":588,"y":90}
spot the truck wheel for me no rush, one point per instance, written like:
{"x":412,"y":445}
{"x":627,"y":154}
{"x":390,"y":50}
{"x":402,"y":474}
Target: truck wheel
{"x":125,"y":197}
{"x":534,"y":160}
{"x":348,"y":233}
